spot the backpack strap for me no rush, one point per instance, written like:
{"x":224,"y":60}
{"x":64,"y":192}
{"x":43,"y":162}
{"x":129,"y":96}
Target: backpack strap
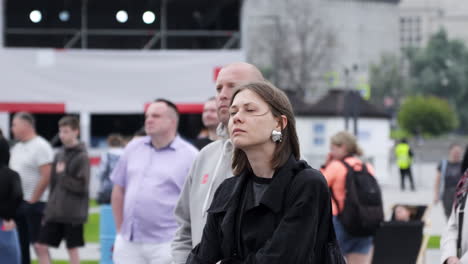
{"x":348,"y":168}
{"x":346,"y":164}
{"x":363,"y":166}
{"x":443,"y":173}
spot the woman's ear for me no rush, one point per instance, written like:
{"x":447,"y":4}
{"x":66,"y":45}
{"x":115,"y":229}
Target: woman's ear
{"x":282,"y":122}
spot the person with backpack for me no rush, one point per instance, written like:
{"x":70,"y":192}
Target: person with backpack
{"x":454,"y":240}
{"x":448,"y":175}
{"x":108,"y":161}
{"x":356,"y":198}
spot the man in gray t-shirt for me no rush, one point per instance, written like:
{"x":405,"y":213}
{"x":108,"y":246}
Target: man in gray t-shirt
{"x":31,"y":157}
{"x":448,"y":175}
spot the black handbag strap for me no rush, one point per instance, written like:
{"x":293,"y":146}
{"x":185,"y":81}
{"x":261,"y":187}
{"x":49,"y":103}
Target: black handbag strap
{"x":461,"y":214}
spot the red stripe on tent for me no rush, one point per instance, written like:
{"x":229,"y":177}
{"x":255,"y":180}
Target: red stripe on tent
{"x":56,"y":108}
{"x":185,"y":108}
{"x":216,"y":72}
{"x":190,"y":108}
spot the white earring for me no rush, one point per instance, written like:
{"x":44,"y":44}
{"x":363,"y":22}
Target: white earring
{"x":276,"y":136}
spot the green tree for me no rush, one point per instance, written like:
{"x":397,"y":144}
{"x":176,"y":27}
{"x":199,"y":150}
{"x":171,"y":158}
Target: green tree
{"x":427,"y":115}
{"x":441,"y":69}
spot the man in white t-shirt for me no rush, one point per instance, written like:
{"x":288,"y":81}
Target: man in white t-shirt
{"x":31,"y":157}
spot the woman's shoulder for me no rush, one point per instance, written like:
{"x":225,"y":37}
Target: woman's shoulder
{"x":335,"y":168}
{"x":228,"y":184}
{"x":223,"y":194}
{"x":310,"y":176}
{"x":310,"y":183}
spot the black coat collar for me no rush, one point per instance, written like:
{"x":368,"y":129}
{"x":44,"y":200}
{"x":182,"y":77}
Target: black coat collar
{"x":229,"y":198}
{"x":274,"y":195}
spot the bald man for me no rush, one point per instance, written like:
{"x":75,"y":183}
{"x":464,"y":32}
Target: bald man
{"x":212,"y":166}
{"x":148,"y":179}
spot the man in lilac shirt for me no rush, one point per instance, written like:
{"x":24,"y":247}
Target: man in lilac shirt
{"x":147,"y":181}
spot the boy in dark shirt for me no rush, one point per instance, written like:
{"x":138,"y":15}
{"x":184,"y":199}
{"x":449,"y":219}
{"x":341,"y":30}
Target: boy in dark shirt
{"x":67,"y":208}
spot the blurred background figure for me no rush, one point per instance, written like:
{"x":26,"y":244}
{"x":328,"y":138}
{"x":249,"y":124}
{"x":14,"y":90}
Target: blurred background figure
{"x":344,"y":148}
{"x":454,"y":240}
{"x":448,"y":175}
{"x":109,"y":159}
{"x":404,"y":157}
{"x":211,"y":122}
{"x":31,"y":157}
{"x":67,"y":207}
{"x":11,"y":196}
{"x":402,"y":213}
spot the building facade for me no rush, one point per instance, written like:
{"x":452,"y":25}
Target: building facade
{"x":420,"y":19}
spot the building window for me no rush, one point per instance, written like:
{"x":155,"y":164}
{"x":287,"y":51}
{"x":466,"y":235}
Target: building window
{"x":410,"y":31}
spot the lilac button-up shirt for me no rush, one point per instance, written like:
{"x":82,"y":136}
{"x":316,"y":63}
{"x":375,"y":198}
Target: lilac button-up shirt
{"x":153,"y":179}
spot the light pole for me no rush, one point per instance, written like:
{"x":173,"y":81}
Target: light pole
{"x":351,"y":101}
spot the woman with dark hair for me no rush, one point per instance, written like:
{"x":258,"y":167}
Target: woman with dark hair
{"x":11,"y":196}
{"x":454,"y":241}
{"x":276,"y":209}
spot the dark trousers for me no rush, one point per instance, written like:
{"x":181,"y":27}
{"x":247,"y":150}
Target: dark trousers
{"x":28,"y":221}
{"x":406,"y":173}
{"x":447,"y":200}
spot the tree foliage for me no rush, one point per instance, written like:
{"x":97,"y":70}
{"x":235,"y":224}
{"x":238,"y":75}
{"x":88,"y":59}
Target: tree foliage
{"x":441,"y":69}
{"x":427,"y":115}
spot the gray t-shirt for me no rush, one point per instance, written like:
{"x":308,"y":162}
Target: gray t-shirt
{"x":452,"y":174}
{"x":260,"y":185}
{"x":26,"y":159}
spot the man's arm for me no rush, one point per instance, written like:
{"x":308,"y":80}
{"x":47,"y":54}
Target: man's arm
{"x":118,"y":193}
{"x":43,"y":182}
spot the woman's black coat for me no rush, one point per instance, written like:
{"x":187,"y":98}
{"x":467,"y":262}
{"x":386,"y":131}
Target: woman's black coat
{"x":291,"y":224}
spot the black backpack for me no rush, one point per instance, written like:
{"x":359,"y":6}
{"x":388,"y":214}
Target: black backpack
{"x":363,"y":209}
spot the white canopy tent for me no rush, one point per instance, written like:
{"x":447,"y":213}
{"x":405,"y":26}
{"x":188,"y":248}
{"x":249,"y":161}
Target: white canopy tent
{"x":109,"y":81}
{"x":106,"y":81}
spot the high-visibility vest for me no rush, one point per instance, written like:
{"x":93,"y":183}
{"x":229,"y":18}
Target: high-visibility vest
{"x":402,"y":153}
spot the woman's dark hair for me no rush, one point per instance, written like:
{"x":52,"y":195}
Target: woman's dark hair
{"x":279,"y":105}
{"x":4,"y":152}
{"x":464,"y":164}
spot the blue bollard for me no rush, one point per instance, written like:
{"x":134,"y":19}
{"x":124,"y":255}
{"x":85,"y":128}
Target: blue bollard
{"x":106,"y":234}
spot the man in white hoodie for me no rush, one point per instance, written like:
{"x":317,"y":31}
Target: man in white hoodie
{"x":211,"y":167}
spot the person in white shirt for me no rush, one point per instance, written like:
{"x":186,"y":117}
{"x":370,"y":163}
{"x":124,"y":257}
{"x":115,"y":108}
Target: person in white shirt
{"x":31,"y":157}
